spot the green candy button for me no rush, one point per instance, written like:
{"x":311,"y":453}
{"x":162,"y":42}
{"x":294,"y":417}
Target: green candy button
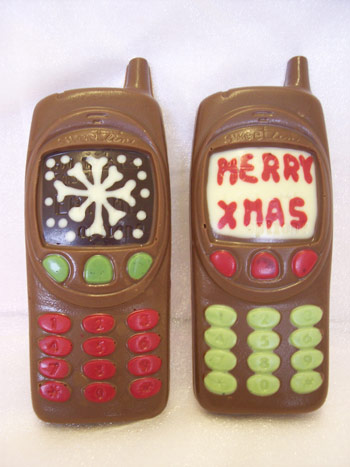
{"x":263,"y":385}
{"x":98,"y":270}
{"x":220,"y":338}
{"x":220,"y":315}
{"x":221,"y":360}
{"x":263,"y":318}
{"x":263,"y":340}
{"x":305,"y":315}
{"x":263,"y":362}
{"x":306,"y":382}
{"x":220,"y":383}
{"x":57,"y":267}
{"x":138,"y":265}
{"x":305,"y":338}
{"x":306,"y":359}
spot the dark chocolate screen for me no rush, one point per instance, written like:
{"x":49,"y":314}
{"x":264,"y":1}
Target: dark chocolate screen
{"x":100,"y":197}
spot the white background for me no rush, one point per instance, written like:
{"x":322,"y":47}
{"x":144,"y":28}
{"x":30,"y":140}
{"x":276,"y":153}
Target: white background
{"x":194,"y":48}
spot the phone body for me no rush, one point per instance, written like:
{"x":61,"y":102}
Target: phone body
{"x":261,"y":211}
{"x":98,"y":253}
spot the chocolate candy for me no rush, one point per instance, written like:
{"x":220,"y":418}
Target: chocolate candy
{"x":98,"y":253}
{"x":261,"y":215}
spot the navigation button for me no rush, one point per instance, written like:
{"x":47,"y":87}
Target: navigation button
{"x":264,"y":266}
{"x":224,"y":262}
{"x":98,"y":270}
{"x":303,"y":262}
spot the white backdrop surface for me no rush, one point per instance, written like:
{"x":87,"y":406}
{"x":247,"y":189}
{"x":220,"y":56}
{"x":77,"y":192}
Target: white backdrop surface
{"x":194,"y":48}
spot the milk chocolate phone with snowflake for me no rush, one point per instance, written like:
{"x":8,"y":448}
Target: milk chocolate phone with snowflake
{"x":261,"y":249}
{"x":98,"y":253}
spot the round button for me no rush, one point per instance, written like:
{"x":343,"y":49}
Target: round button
{"x":99,"y":346}
{"x":55,"y":346}
{"x":263,"y":318}
{"x":98,"y":270}
{"x":220,"y":338}
{"x":99,"y":392}
{"x":263,"y":362}
{"x":57,"y":267}
{"x":264,"y":266}
{"x":54,"y":391}
{"x":143,"y":320}
{"x":303,"y":262}
{"x":144,"y":365}
{"x":263,"y":385}
{"x":224,"y":262}
{"x":308,"y":359}
{"x":98,"y":324}
{"x":54,"y":322}
{"x":138,"y":265}
{"x":141,"y":343}
{"x":305,"y":315}
{"x":305,"y":338}
{"x":220,"y":383}
{"x":220,"y":315}
{"x":145,"y":387}
{"x":54,"y":368}
{"x":99,"y":369}
{"x":263,"y":340}
{"x":220,"y":360}
{"x":306,"y":382}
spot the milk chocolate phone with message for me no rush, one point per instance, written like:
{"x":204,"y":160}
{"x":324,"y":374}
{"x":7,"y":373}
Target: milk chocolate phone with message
{"x":261,"y":249}
{"x":98,"y":253}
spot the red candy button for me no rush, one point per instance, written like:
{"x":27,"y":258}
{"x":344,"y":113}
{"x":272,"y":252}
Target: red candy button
{"x":54,"y":392}
{"x":98,"y":324}
{"x":143,"y":320}
{"x":141,"y":343}
{"x":224,"y":262}
{"x":145,"y":387}
{"x":56,"y":346}
{"x":144,"y":365}
{"x":54,"y":322}
{"x":99,"y":346}
{"x":99,"y":369}
{"x":264,"y":266}
{"x":99,"y":392}
{"x":303,"y":262}
{"x":53,"y":368}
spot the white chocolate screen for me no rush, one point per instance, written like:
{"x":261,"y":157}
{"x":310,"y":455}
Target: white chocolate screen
{"x":262,"y":193}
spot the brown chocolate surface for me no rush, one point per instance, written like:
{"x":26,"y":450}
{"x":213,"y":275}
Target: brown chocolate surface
{"x":286,"y":118}
{"x":95,"y":373}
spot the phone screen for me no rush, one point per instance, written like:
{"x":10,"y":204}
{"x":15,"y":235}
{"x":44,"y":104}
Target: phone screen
{"x":262,"y":193}
{"x":90,"y":197}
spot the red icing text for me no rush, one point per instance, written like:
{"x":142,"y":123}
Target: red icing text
{"x":240,"y":168}
{"x":274,"y":213}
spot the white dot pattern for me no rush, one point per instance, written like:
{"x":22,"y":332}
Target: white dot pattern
{"x":65,"y":159}
{"x":137,"y":233}
{"x":142,"y":175}
{"x":49,"y":175}
{"x":50,"y":222}
{"x":50,"y":163}
{"x":48,"y":201}
{"x":145,"y":193}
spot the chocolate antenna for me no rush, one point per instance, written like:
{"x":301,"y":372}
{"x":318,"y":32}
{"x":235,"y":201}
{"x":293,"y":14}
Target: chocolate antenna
{"x":138,"y":76}
{"x":297,"y":74}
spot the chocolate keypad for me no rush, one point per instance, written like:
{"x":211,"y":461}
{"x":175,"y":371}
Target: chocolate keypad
{"x":143,"y":365}
{"x":263,"y":342}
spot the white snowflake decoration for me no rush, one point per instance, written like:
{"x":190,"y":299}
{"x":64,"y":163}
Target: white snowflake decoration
{"x":97,"y":193}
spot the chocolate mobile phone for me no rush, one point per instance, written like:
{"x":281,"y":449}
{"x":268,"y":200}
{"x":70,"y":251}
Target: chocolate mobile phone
{"x":261,"y":249}
{"x":98,"y":253}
